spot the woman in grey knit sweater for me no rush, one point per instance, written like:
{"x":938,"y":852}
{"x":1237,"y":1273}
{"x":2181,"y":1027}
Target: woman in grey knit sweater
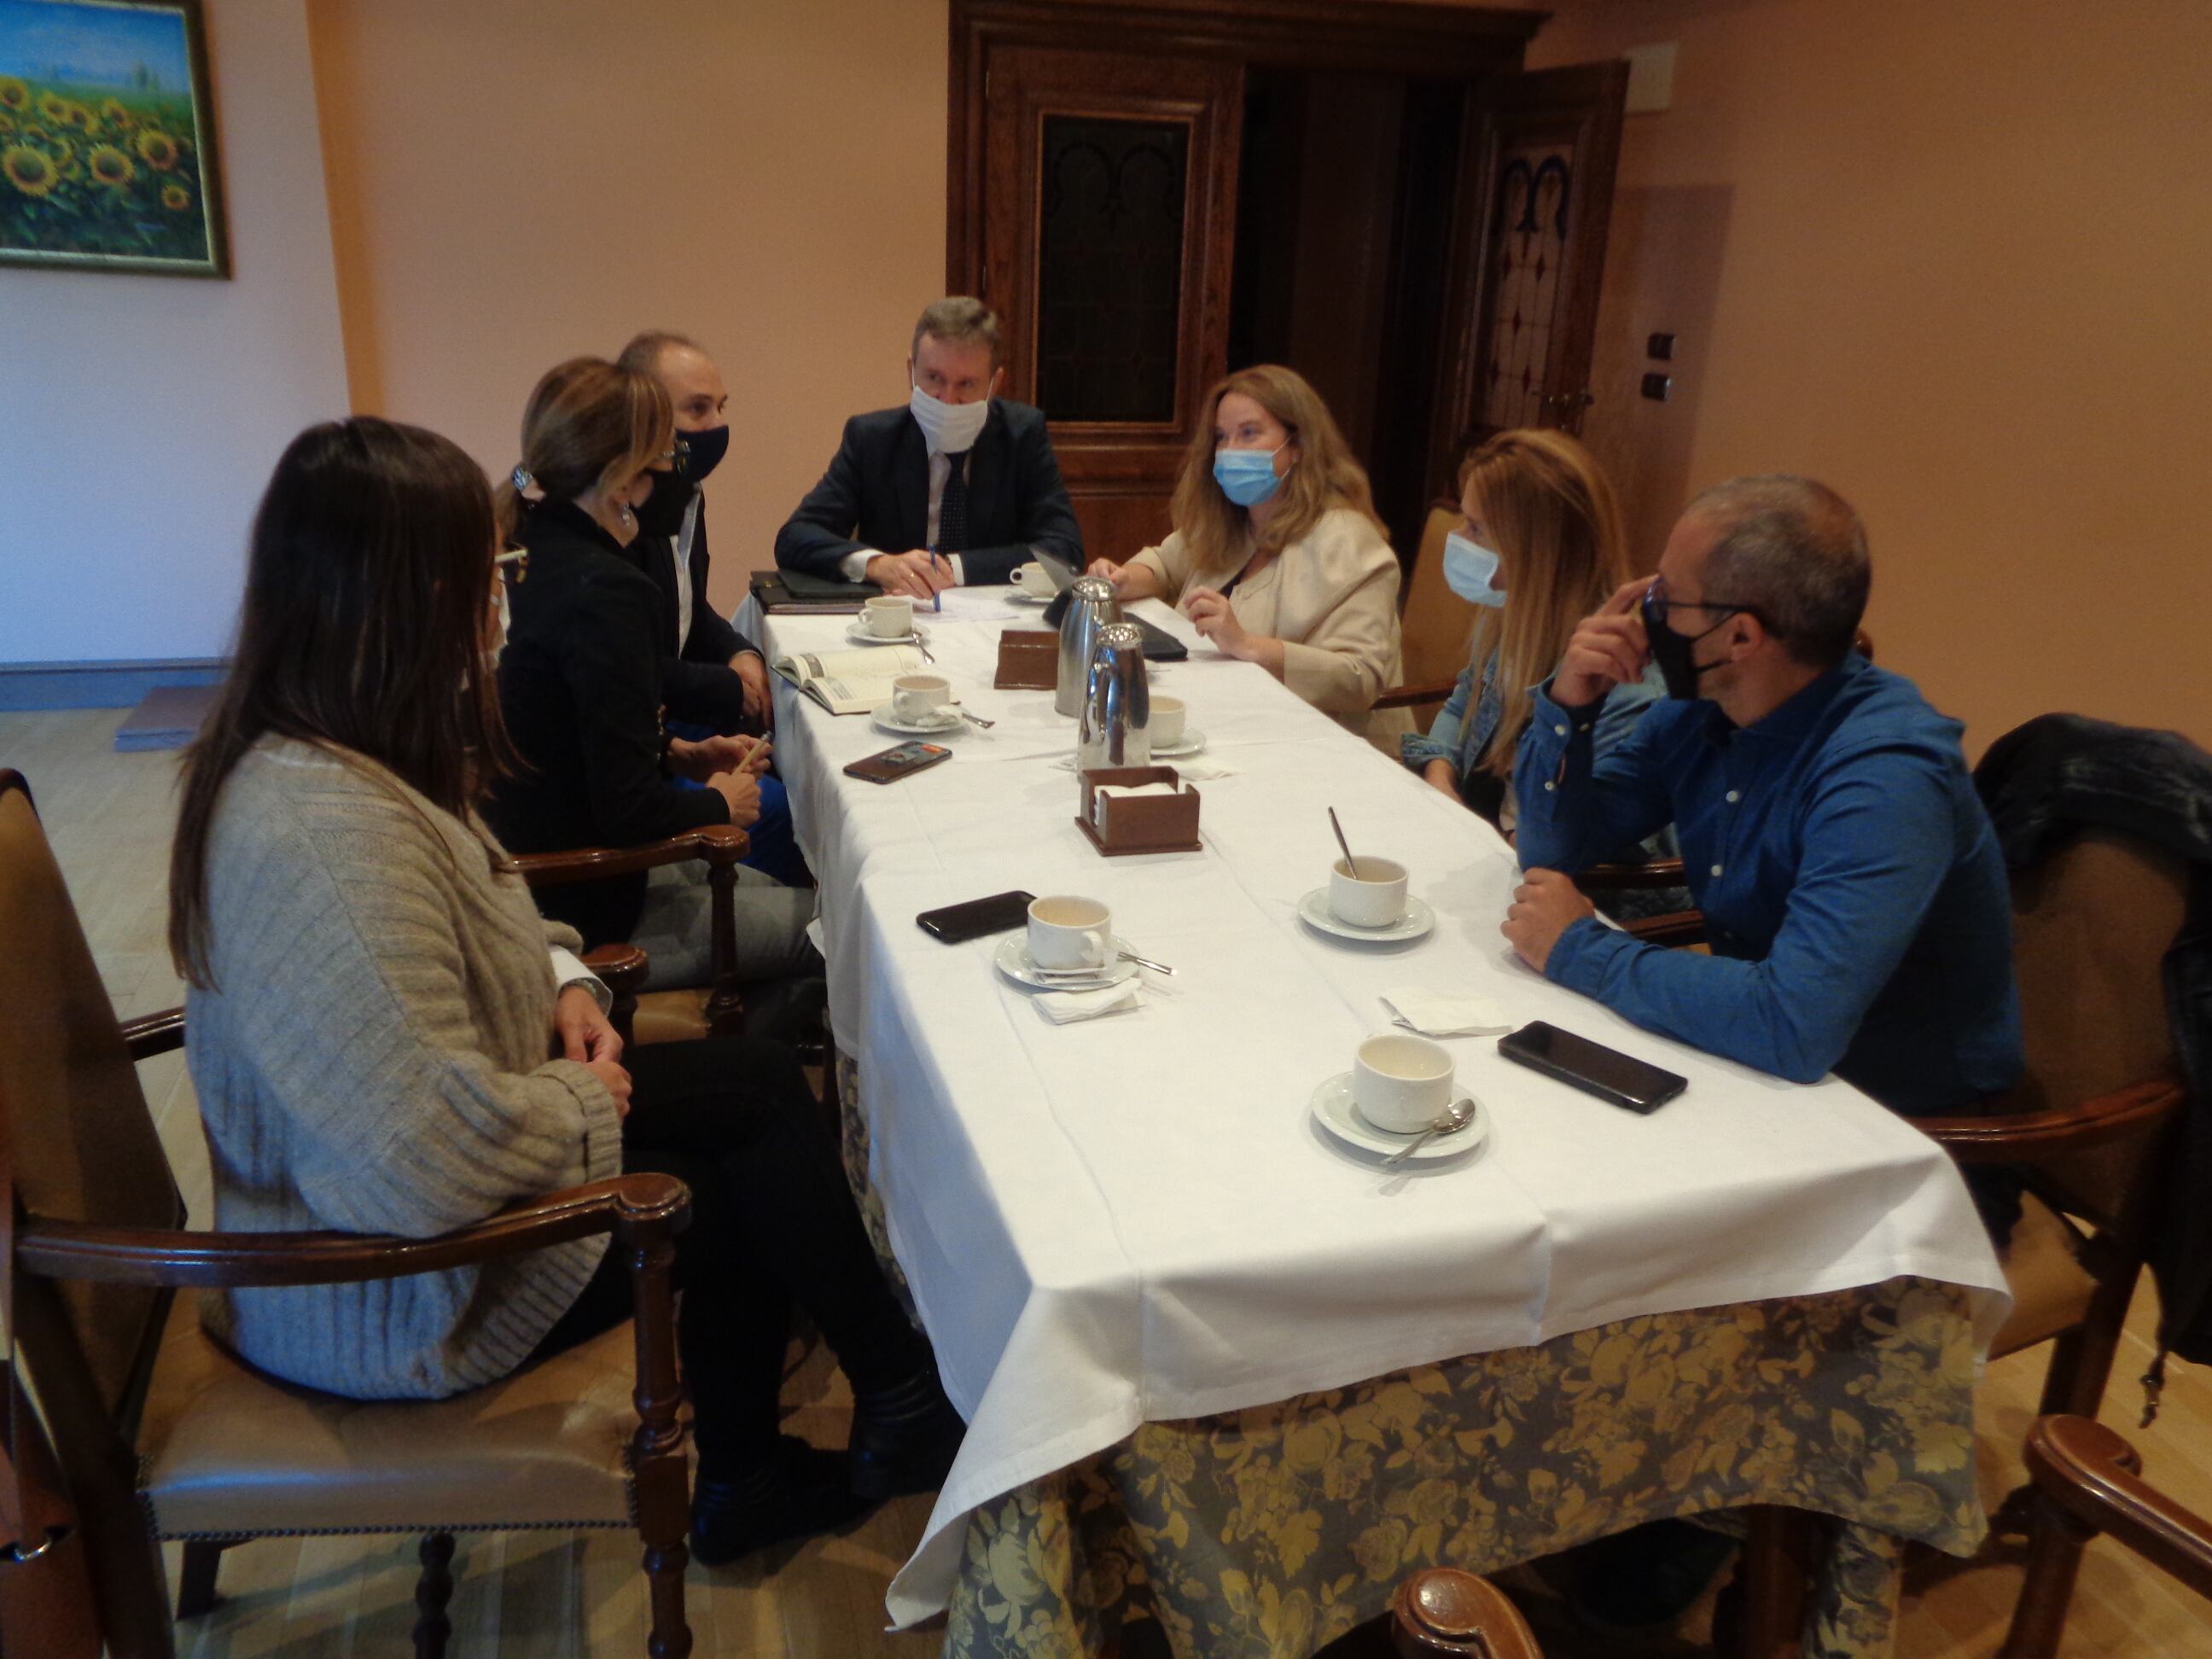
{"x":385,"y":1037}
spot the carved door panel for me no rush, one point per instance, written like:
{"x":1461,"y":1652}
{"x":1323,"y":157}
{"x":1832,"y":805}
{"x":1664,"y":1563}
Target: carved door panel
{"x":1108,"y":193}
{"x":1539,"y":190}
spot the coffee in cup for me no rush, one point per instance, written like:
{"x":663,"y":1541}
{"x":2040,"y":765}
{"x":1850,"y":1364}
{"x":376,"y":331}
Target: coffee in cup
{"x":1066,"y":932}
{"x":917,"y":697}
{"x":889,"y":616}
{"x":1372,"y":896}
{"x":1401,"y":1084}
{"x":1165,"y":727}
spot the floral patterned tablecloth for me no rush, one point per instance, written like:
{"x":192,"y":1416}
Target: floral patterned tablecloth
{"x":1271,"y":1530}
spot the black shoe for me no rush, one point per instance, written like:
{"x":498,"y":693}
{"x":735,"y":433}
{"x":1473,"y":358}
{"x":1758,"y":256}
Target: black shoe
{"x":802,"y":1492}
{"x":904,"y":1439}
{"x":1641,"y":1581}
{"x":787,"y":1011}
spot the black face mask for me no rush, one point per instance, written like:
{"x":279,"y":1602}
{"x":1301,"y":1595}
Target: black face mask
{"x":661,"y":513}
{"x":702,"y":452}
{"x":1676,"y":653}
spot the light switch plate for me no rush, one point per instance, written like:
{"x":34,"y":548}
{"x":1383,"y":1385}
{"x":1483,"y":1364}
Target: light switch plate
{"x":1651,"y":78}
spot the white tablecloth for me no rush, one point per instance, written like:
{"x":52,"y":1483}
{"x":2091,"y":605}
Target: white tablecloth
{"x":1134,"y":1218}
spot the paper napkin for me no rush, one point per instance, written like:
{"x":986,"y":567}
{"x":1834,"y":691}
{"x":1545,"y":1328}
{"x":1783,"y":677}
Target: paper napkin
{"x":1435,"y":1013}
{"x":1064,"y":1007}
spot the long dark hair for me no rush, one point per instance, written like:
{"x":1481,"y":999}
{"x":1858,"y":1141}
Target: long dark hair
{"x":368,"y":588}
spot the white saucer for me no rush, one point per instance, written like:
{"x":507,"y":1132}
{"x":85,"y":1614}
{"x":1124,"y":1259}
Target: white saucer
{"x":1190,"y":743}
{"x":857,"y":634}
{"x":1314,"y":911}
{"x":886,"y":722}
{"x":1020,"y":597}
{"x":1332,"y":1108}
{"x":1011,"y":958}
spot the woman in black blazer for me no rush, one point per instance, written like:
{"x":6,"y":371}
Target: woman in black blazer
{"x":580,"y":686}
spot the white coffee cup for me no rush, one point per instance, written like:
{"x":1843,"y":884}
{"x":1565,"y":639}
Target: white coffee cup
{"x":1066,"y":932}
{"x":919,"y":697}
{"x":1401,"y":1084}
{"x":1165,"y":727}
{"x":1033,"y":579}
{"x":889,"y":616}
{"x":1376,"y":898}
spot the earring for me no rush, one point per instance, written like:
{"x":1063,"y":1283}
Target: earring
{"x":628,"y":519}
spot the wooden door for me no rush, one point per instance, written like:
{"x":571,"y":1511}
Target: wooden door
{"x":1529,"y":255}
{"x":1109,"y":191}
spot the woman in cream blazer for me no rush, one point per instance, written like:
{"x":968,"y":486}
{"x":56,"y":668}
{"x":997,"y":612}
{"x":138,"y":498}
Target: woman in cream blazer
{"x":1276,"y":554}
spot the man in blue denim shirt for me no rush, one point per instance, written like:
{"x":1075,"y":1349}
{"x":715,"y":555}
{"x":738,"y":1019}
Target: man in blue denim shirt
{"x":1858,"y":915}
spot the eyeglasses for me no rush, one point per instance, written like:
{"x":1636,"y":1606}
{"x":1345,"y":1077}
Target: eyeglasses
{"x":1656,"y":606}
{"x":512,"y":566}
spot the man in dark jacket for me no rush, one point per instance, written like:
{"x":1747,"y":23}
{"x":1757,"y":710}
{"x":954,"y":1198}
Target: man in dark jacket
{"x":956,"y":486}
{"x":716,"y":679}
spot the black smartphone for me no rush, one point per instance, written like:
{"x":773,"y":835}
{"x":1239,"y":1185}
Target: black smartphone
{"x":903,"y":761}
{"x":1001,"y":913}
{"x":1594,"y":1069}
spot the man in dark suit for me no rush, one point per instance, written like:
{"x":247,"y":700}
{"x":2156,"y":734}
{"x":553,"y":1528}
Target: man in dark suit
{"x":713,"y":679}
{"x":955,"y":488}
{"x":716,"y":677}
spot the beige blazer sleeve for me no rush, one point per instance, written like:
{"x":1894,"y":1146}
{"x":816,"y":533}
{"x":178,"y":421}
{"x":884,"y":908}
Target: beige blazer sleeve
{"x":1336,"y":612}
{"x":1170,"y":563}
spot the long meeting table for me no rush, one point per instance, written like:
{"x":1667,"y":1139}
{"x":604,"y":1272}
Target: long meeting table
{"x":1133,"y":1222}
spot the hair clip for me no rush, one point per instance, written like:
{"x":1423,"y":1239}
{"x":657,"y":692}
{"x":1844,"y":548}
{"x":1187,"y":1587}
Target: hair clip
{"x":522,"y":479}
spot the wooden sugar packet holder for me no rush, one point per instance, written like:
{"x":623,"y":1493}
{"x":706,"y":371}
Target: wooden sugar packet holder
{"x":1028,"y":660}
{"x":1143,"y":823}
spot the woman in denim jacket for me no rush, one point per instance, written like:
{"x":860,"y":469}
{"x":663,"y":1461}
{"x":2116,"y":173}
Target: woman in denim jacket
{"x":1541,"y":547}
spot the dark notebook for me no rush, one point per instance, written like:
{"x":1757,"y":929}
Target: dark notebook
{"x":794,"y":592}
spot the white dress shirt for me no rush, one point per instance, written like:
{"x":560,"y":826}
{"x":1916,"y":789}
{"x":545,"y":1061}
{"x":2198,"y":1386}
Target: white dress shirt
{"x":854,"y":566}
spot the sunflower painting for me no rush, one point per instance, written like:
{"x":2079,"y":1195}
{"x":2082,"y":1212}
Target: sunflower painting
{"x":107,"y":157}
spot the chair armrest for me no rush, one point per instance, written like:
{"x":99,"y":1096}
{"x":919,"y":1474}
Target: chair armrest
{"x":712,"y":844}
{"x":1446,"y":1610}
{"x":154,"y":1034}
{"x":622,"y":968}
{"x":2091,"y":1474}
{"x":1632,"y":878}
{"x":636,"y":1209}
{"x":1677,"y":928}
{"x":1412,"y":697}
{"x":2018,"y":1137}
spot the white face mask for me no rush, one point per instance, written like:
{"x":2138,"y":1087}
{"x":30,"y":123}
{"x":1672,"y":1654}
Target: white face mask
{"x":952,"y":428}
{"x":1469,"y":569}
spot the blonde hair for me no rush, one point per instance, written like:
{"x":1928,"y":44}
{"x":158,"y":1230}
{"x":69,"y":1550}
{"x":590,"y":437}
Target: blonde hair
{"x":1547,"y":510}
{"x":1217,"y":531}
{"x":588,"y":425}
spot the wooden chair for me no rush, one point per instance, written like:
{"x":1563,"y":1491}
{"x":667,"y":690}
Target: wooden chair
{"x":670,"y":1016}
{"x":2088,"y":1124}
{"x":1437,"y":1612}
{"x":2085,"y":1482}
{"x":1434,"y":625}
{"x":162,"y":1433}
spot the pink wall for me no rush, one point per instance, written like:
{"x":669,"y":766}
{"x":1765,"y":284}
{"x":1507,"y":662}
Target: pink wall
{"x":1951,"y":258}
{"x":513,"y":182}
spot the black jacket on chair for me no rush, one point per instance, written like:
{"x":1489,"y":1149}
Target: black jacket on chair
{"x":876,"y":495}
{"x":580,"y":684}
{"x":697,"y":682}
{"x":2045,"y":782}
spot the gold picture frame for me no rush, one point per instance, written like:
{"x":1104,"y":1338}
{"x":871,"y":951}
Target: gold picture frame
{"x":107,"y":141}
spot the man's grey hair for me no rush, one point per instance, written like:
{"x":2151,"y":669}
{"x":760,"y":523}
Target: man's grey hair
{"x":643,"y":354}
{"x":1795,"y":552}
{"x":958,"y":319}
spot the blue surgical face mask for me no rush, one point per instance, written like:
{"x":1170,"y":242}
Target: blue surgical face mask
{"x":1247,"y":477}
{"x":1468,"y":566}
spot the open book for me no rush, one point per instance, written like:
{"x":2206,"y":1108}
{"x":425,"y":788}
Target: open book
{"x":857,"y":681}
